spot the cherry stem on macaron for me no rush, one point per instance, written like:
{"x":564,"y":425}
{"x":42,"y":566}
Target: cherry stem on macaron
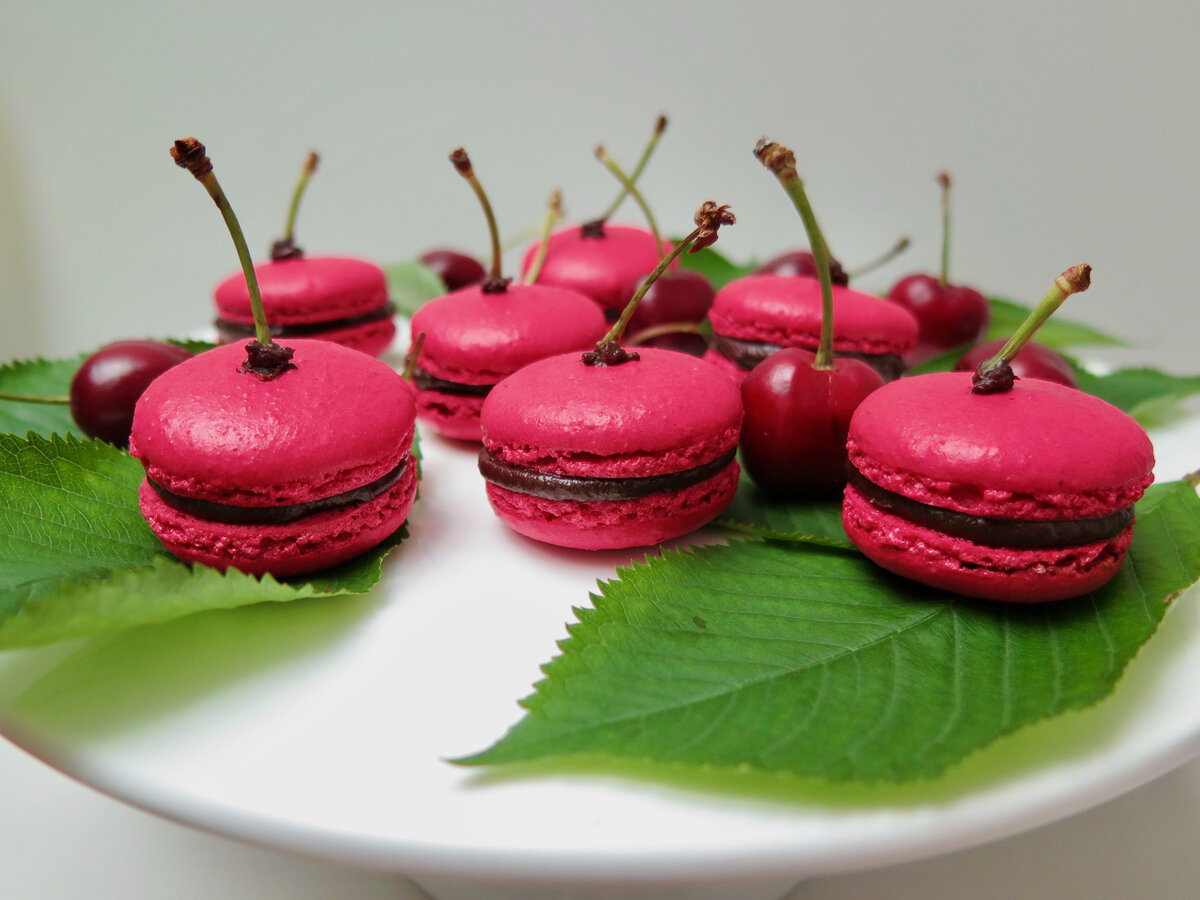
{"x":554,"y":213}
{"x":285,"y":247}
{"x":595,"y":228}
{"x":264,"y":358}
{"x":943,"y":179}
{"x":879,"y":262}
{"x":411,"y":358}
{"x":708,"y":219}
{"x":995,"y":375}
{"x":631,"y":189}
{"x":495,"y":283}
{"x":782,"y":163}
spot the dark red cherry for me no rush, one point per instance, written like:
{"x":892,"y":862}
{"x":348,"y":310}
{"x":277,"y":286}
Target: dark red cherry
{"x":676,"y":296}
{"x":793,"y":439}
{"x":108,"y":384}
{"x":1033,"y":361}
{"x":801,"y":263}
{"x":456,"y":269}
{"x":948,"y":315}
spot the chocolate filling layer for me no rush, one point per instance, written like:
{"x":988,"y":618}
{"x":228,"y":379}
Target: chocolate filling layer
{"x":1018,"y":534}
{"x":748,"y":354}
{"x":231,"y":331}
{"x":523,"y":480}
{"x":279,"y":515}
{"x":426,"y":382}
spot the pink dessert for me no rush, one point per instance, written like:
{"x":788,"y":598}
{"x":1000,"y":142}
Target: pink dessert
{"x":599,"y":263}
{"x":610,"y":456}
{"x":756,"y":315}
{"x":475,"y":338}
{"x":284,"y":476}
{"x":334,"y":298}
{"x":1025,"y":495}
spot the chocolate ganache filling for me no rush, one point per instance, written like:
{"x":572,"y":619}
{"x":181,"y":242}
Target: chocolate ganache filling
{"x":426,"y":382}
{"x":231,"y":331}
{"x":550,"y":486}
{"x":279,"y":515}
{"x":748,"y":354}
{"x":1018,"y":534}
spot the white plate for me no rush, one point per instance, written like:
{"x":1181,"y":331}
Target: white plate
{"x":324,"y":726}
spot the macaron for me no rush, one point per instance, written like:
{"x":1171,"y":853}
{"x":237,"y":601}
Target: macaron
{"x":474,"y":338}
{"x":756,"y":315}
{"x":604,"y":262}
{"x":1025,"y":495}
{"x":333,"y":298}
{"x":282,"y":476}
{"x":611,"y":456}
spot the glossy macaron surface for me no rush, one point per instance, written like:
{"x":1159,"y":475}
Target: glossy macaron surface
{"x":306,"y":289}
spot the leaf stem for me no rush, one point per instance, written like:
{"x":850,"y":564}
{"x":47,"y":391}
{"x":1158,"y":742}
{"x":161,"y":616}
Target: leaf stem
{"x":631,"y":189}
{"x":782,"y":163}
{"x":21,"y":398}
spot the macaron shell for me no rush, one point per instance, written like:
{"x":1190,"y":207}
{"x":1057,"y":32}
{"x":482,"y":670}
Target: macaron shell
{"x":664,"y":412}
{"x":451,"y":415}
{"x":616,"y":524}
{"x":973,"y":570}
{"x":339,"y":420}
{"x":305,"y":290}
{"x":306,"y":545}
{"x":786,"y":310}
{"x":1040,"y":451}
{"x":472,"y":337}
{"x":605,"y":269}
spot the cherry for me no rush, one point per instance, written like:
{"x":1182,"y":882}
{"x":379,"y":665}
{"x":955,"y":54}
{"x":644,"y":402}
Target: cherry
{"x":107,"y":386}
{"x":678,"y":297}
{"x":796,"y":420}
{"x":801,"y":263}
{"x":947,"y":315}
{"x":798,"y":404}
{"x":456,"y":269}
{"x":1034,"y":360}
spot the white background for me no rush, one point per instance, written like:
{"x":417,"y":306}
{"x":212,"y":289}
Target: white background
{"x":1070,"y":130}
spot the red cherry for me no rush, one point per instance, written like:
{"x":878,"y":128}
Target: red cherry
{"x":948,"y":315}
{"x":456,"y":269}
{"x":1033,"y":361}
{"x":107,"y":386}
{"x":676,"y":296}
{"x":803,"y":264}
{"x":793,"y":439}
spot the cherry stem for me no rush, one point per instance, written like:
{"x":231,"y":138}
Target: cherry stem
{"x":660,"y":125}
{"x":709,"y":217}
{"x":782,"y":163}
{"x":462,"y":163}
{"x":879,"y":262}
{"x":653,"y":331}
{"x":21,"y":398}
{"x":189,"y":154}
{"x":631,"y":189}
{"x":943,"y":179}
{"x":411,"y":358}
{"x":310,"y":166}
{"x":1073,"y":281}
{"x":554,"y":213}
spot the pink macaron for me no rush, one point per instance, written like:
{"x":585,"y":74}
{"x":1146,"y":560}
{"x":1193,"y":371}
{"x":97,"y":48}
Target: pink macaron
{"x":1024,"y":495}
{"x":474,"y":338}
{"x":611,"y":456}
{"x":333,"y":298}
{"x":604,"y":262}
{"x":756,"y":315}
{"x":285,"y":476}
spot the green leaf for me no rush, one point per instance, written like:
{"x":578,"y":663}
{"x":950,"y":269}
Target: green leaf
{"x":77,"y":558}
{"x":755,"y":513}
{"x":715,"y":267}
{"x":1140,"y":392}
{"x":1058,"y":333}
{"x":806,"y":660}
{"x":410,"y":284}
{"x":38,"y":378}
